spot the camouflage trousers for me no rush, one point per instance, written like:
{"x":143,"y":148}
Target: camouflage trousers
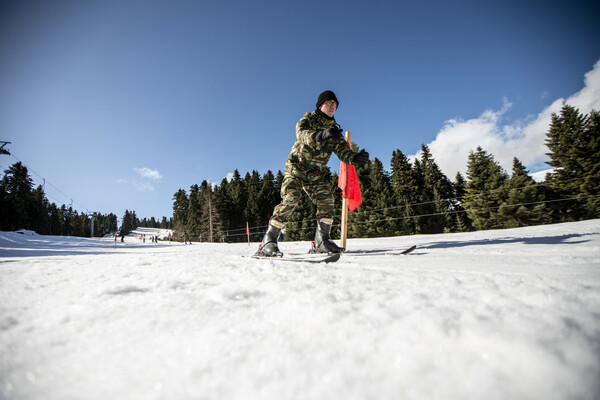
{"x":317,"y":189}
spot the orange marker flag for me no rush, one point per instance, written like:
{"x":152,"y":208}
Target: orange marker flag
{"x":348,"y":182}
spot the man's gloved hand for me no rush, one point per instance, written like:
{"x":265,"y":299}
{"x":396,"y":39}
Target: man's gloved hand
{"x":331,"y":133}
{"x":361,"y":158}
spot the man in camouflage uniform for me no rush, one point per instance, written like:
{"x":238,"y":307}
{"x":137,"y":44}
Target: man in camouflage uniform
{"x":317,"y":136}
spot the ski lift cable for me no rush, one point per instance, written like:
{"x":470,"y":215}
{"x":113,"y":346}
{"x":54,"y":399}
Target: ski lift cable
{"x":441,"y":213}
{"x":475,"y":209}
{"x":468,"y":196}
{"x":50,"y":184}
{"x":290,"y":225}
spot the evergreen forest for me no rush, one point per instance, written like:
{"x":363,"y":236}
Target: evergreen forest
{"x":23,"y":207}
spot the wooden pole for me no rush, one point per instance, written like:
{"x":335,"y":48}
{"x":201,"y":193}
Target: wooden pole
{"x":248,"y":232}
{"x":345,"y":211}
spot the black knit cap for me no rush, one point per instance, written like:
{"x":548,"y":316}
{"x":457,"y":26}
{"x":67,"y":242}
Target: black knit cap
{"x":327,"y":95}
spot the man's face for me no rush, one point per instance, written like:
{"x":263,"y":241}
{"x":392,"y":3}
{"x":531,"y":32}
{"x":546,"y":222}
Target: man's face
{"x":329,"y":108}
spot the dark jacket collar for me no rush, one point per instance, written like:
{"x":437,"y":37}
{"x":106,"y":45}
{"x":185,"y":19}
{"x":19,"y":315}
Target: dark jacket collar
{"x":323,"y":115}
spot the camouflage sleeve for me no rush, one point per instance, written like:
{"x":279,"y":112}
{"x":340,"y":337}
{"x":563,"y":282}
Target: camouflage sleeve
{"x":305,"y":133}
{"x":344,"y":153}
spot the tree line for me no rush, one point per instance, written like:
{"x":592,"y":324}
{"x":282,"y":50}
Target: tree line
{"x":23,"y":207}
{"x":416,"y":197}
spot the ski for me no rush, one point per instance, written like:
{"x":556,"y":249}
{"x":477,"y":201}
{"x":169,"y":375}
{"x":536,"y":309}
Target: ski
{"x":380,"y":252}
{"x":325,"y":258}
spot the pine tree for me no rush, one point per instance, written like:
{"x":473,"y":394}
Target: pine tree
{"x":574,"y":143}
{"x":235,"y":200}
{"x":180,"y":212}
{"x":66,"y":214}
{"x":39,"y":219}
{"x":224,"y":207}
{"x":164,"y":223}
{"x":80,"y":224}
{"x":523,"y":205}
{"x":484,"y":192}
{"x":403,"y":185}
{"x":437,"y":190}
{"x":4,"y":207}
{"x":380,"y":200}
{"x":462,"y":221}
{"x":268,"y":198}
{"x":17,"y":189}
{"x":108,"y":223}
{"x":591,"y":164}
{"x":129,"y":222}
{"x":252,"y":210}
{"x":194,"y":213}
{"x":211,"y":221}
{"x":103,"y":224}
{"x":56,"y":220}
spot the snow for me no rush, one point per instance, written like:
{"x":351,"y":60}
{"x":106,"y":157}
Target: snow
{"x":540,"y":176}
{"x":506,"y":314}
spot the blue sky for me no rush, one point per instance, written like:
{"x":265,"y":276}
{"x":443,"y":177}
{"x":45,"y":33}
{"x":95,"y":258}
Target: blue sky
{"x":118,"y":104}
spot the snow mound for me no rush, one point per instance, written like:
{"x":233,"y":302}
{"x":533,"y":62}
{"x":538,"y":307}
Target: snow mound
{"x":26,"y":232}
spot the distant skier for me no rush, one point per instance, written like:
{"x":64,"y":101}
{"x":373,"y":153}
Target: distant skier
{"x":317,"y":136}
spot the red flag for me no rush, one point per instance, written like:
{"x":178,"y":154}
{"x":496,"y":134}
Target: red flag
{"x":348,"y":182}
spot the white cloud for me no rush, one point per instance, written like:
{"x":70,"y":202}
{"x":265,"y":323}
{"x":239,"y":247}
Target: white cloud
{"x":229,"y":176}
{"x":521,"y":139}
{"x":148,"y":173}
{"x":143,"y":186}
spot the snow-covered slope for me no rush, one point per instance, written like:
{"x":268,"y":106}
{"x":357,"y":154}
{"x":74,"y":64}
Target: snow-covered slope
{"x":508,"y":314}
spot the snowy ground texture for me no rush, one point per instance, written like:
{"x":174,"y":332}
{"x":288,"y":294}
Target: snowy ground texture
{"x":507,"y":314}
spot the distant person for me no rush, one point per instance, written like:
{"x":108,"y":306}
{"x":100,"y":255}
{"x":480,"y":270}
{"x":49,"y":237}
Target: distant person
{"x":317,"y":136}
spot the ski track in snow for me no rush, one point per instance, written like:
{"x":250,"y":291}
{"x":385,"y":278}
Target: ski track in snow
{"x":505,"y":314}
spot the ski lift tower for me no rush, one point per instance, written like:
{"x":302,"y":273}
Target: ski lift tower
{"x":2,"y":149}
{"x":91,"y":214}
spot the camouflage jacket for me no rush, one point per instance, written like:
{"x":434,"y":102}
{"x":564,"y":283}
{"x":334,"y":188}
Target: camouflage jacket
{"x":307,"y":156}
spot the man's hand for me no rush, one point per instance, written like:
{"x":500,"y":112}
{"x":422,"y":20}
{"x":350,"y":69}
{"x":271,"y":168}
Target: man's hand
{"x":361,"y":158}
{"x":332,"y":133}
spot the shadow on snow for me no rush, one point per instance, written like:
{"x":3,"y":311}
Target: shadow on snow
{"x":548,"y":240}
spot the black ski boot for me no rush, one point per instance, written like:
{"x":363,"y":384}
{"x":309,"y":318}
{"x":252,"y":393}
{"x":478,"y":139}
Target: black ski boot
{"x":268,"y":247}
{"x":323,"y":242}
